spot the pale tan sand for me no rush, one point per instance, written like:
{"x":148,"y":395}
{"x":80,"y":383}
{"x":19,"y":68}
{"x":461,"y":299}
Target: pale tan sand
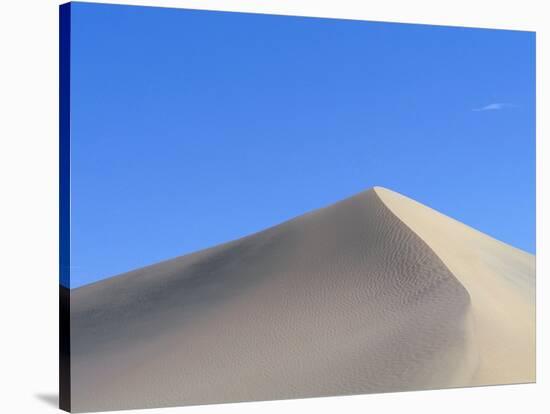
{"x":344,"y":300}
{"x":501,"y":283}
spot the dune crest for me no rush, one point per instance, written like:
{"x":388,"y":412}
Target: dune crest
{"x":357,"y":297}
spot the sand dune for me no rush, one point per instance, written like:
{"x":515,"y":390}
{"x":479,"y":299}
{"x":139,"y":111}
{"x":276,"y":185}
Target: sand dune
{"x":375,"y":293}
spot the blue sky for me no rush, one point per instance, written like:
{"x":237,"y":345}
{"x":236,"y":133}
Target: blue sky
{"x":192,"y":128}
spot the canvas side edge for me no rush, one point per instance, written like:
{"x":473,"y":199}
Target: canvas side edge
{"x":64,"y":207}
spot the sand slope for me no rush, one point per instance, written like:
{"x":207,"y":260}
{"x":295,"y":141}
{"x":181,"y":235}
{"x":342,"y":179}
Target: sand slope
{"x":357,"y":297}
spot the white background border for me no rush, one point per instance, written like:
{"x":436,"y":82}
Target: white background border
{"x":29,"y":218}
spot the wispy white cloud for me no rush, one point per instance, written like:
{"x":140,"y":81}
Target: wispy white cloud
{"x":494,"y":107}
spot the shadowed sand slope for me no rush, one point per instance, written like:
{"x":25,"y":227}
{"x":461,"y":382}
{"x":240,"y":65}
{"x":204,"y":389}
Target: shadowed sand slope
{"x":351,"y":298}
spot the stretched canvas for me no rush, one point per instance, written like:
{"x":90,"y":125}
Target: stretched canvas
{"x":258,"y":207}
